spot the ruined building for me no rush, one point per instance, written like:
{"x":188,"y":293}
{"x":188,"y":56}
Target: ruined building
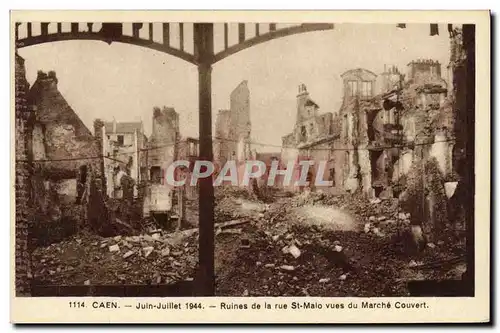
{"x":383,"y":134}
{"x":240,"y":126}
{"x":389,"y":79}
{"x":313,"y":137}
{"x":352,"y":157}
{"x":427,"y":115}
{"x":66,"y":175}
{"x":59,"y":137}
{"x":161,"y":150}
{"x":123,"y":149}
{"x":188,"y":149}
{"x":233,"y":128}
{"x":65,"y":160}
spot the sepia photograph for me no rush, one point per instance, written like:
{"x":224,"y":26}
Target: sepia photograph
{"x":245,"y":159}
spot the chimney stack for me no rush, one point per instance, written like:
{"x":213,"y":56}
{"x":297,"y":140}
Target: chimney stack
{"x":302,"y":89}
{"x":98,"y":125}
{"x":47,"y":77}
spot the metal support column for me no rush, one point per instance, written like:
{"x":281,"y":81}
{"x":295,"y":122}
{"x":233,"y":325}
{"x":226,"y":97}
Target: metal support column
{"x":203,"y":41}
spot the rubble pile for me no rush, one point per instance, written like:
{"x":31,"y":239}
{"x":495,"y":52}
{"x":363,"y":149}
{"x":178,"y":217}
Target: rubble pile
{"x":44,"y":230}
{"x":386,"y":215}
{"x":222,"y":192}
{"x":234,"y":203}
{"x":288,"y":257}
{"x":263,"y":250}
{"x":310,"y":261}
{"x":142,"y":259}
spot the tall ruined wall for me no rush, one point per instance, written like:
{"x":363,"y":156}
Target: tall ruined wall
{"x":302,"y":98}
{"x":165,"y":124}
{"x":22,"y":182}
{"x":389,"y":79}
{"x":403,"y":164}
{"x":240,"y":110}
{"x":142,"y":142}
{"x":97,"y":213}
{"x":458,"y":95}
{"x":240,"y":121}
{"x":352,"y":133}
{"x":225,"y":141}
{"x":442,"y":150}
{"x":164,"y":136}
{"x":425,"y":198}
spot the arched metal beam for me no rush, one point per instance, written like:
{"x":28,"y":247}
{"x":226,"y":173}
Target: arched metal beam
{"x":272,"y":34}
{"x":65,"y":36}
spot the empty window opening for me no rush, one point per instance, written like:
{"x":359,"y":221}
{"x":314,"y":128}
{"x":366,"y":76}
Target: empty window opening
{"x":332,"y":176}
{"x":155,"y":175}
{"x":303,"y":133}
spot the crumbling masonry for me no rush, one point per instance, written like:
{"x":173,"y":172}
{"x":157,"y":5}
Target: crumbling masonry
{"x":22,"y":174}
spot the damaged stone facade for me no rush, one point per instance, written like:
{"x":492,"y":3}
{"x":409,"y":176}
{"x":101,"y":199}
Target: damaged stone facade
{"x":408,"y":120}
{"x":313,"y":138}
{"x":162,"y":144}
{"x":63,"y":151}
{"x":162,"y":151}
{"x":64,"y":162}
{"x":60,"y":142}
{"x":188,"y":150}
{"x":385,"y":124}
{"x":353,"y":156}
{"x":233,"y":128}
{"x":123,"y":149}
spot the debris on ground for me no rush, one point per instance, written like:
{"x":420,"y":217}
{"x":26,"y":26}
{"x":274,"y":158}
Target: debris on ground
{"x":368,"y":258}
{"x":302,"y":245}
{"x":107,"y":260}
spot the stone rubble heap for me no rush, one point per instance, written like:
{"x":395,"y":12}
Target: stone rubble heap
{"x":148,"y":258}
{"x":287,"y":257}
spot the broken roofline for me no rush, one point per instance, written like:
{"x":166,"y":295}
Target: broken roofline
{"x":239,"y":174}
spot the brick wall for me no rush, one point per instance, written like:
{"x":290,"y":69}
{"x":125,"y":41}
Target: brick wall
{"x":22,"y":182}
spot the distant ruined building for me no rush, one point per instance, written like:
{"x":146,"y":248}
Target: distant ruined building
{"x":388,"y":132}
{"x":313,"y":136}
{"x":233,"y":127}
{"x":232,"y":139}
{"x":385,"y":124}
{"x":123,"y":153}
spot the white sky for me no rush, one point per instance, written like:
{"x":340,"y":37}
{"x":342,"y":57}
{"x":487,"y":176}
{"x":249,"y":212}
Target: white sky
{"x":126,"y":82}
